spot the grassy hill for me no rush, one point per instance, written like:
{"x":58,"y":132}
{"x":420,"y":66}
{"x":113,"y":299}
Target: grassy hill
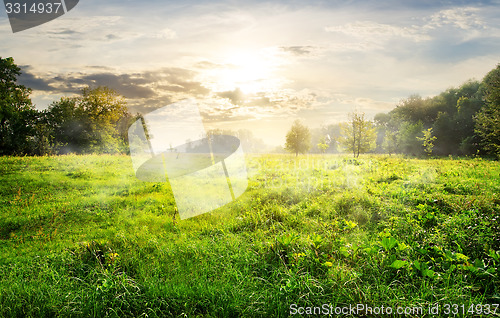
{"x":81,"y":236}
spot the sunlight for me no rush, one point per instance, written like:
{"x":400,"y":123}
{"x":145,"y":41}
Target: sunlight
{"x":251,"y":72}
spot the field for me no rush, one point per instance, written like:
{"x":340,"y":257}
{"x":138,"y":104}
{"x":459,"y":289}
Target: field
{"x":81,"y":236}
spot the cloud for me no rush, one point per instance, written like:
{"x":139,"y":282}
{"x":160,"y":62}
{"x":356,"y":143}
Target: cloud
{"x":143,"y":90}
{"x":112,"y":37}
{"x":165,"y":34}
{"x":462,"y":23}
{"x":461,"y":18}
{"x":225,"y":116}
{"x":299,"y":50}
{"x":63,"y":31}
{"x":206,"y":65}
{"x":369,"y":104}
{"x":261,"y":101}
{"x":130,"y":86}
{"x":374,"y":32}
{"x":236,"y":96}
{"x":32,"y":81}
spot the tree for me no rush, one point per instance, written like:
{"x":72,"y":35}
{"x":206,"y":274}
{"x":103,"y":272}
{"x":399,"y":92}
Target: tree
{"x":96,"y":121}
{"x":414,"y":109}
{"x":427,"y":140}
{"x":103,"y":108}
{"x":358,"y":134}
{"x":323,"y":144}
{"x":407,"y":138}
{"x":67,"y":125}
{"x":17,"y":115}
{"x":323,"y":139}
{"x":488,"y":119}
{"x":298,"y":139}
{"x":390,"y":143}
{"x":381,"y":122}
{"x":466,"y":112}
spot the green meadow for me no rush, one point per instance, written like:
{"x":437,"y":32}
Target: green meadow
{"x":80,"y":236}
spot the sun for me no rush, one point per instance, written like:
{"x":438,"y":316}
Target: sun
{"x":251,"y":72}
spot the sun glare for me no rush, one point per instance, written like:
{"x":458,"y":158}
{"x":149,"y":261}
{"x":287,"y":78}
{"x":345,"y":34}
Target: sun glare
{"x":251,"y":72}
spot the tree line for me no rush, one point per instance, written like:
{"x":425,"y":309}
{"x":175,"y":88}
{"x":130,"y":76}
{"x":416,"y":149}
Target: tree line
{"x":94,"y":122}
{"x":461,"y":121}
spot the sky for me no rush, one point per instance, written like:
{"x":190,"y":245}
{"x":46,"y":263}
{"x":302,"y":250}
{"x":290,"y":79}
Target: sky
{"x":259,"y":65}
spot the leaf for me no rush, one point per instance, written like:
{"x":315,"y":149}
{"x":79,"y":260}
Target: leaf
{"x":344,"y":251}
{"x":461,"y":257}
{"x":317,"y":240}
{"x":397,"y":264}
{"x":417,"y":265}
{"x":479,"y":264}
{"x":449,"y":255}
{"x":370,"y":250}
{"x":422,"y":251}
{"x":429,"y":273}
{"x":402,"y":247}
{"x":388,"y":243}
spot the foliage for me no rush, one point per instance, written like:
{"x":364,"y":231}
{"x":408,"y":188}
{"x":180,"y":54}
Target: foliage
{"x":450,"y":114}
{"x":97,"y":121}
{"x":298,"y":138}
{"x":427,"y":141}
{"x":390,"y":143}
{"x":18,"y":118}
{"x":323,"y":144}
{"x":408,"y":134}
{"x":91,"y":122}
{"x":488,"y":119}
{"x":323,"y":139}
{"x":358,"y":135}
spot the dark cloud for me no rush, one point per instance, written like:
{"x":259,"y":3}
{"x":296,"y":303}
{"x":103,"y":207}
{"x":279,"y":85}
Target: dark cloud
{"x":236,"y":97}
{"x":32,"y":81}
{"x":150,"y":90}
{"x":149,"y":105}
{"x":112,"y":37}
{"x":125,"y":84}
{"x":148,"y":85}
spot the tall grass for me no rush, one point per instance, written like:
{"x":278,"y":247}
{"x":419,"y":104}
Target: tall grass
{"x":80,"y":236}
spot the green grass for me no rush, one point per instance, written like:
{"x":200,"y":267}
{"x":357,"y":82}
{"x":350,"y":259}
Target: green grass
{"x":81,"y":236}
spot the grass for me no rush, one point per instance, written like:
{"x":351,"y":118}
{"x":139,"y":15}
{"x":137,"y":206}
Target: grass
{"x":81,"y":236}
